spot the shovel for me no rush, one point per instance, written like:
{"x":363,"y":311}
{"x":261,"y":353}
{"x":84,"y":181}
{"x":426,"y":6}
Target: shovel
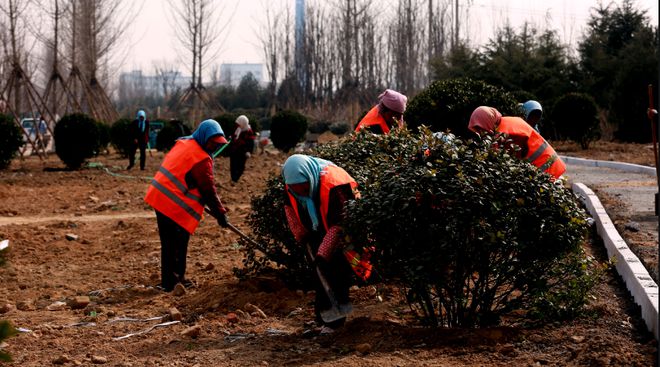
{"x":336,"y":311}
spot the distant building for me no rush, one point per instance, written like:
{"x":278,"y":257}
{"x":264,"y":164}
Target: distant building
{"x":231,"y":74}
{"x":135,"y":84}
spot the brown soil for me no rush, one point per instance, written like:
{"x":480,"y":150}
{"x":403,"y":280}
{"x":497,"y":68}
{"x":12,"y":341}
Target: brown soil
{"x":117,"y":254}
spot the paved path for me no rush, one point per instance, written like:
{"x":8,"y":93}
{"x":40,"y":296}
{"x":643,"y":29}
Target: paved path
{"x":635,"y":190}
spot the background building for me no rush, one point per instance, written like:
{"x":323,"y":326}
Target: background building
{"x":231,"y":74}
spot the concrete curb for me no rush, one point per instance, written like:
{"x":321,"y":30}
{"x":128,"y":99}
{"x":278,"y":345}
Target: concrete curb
{"x":638,"y":281}
{"x":628,"y":167}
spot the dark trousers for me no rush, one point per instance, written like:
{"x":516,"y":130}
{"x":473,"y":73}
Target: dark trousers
{"x":338,"y":273}
{"x":173,"y":251}
{"x":237,"y":166}
{"x":143,"y":155}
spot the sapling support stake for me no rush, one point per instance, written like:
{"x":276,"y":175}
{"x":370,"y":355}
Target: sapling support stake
{"x":652,"y":114}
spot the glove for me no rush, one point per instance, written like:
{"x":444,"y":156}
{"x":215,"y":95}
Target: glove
{"x":247,"y":155}
{"x":223,"y":221}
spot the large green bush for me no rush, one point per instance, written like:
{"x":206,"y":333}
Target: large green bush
{"x":287,"y":129}
{"x":120,"y":136}
{"x":448,"y":104}
{"x":76,"y":139}
{"x":11,"y":139}
{"x":469,"y":231}
{"x":172,"y":130}
{"x":575,"y":117}
{"x":472,"y":231}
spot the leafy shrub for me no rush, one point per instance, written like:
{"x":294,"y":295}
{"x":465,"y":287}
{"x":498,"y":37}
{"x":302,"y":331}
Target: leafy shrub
{"x":6,"y":331}
{"x":340,"y":128}
{"x":120,"y":136}
{"x":76,"y":139}
{"x":172,"y":130}
{"x":471,"y":231}
{"x":287,"y":129}
{"x":11,"y":139}
{"x":575,"y":117}
{"x":227,"y":122}
{"x":447,"y":105}
{"x":104,"y":136}
{"x":318,"y":127}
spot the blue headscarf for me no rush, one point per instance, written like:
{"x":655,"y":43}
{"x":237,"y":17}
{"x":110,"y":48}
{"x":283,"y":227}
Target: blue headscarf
{"x":141,"y":123}
{"x":302,"y":168}
{"x":205,"y":131}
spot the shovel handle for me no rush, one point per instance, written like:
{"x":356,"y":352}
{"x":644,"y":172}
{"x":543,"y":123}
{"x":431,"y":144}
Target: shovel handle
{"x":322,"y":279}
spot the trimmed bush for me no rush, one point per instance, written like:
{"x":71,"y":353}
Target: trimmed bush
{"x":469,"y":231}
{"x":11,"y":139}
{"x":227,"y":122}
{"x":172,"y":130}
{"x":575,"y":117}
{"x":447,"y":105}
{"x":287,"y":129}
{"x":76,"y":139}
{"x":6,"y":331}
{"x":104,"y":136}
{"x":120,"y":136}
{"x":339,"y":128}
{"x":318,"y":127}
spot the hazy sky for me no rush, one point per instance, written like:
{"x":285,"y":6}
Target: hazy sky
{"x":154,"y":37}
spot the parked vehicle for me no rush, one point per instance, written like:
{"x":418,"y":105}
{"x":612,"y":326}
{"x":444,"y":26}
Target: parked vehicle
{"x":30,"y":127}
{"x":154,"y":128}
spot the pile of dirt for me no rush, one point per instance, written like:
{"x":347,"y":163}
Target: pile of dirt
{"x":65,"y":243}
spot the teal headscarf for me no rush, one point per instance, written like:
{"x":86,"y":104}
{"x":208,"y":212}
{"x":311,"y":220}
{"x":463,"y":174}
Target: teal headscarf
{"x":205,"y":131}
{"x":301,"y":168}
{"x":141,"y":123}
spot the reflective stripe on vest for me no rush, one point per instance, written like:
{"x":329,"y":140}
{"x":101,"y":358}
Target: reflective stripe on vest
{"x":169,"y":193}
{"x":540,"y":153}
{"x":373,"y":117}
{"x":331,"y":176}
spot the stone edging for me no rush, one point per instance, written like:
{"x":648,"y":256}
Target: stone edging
{"x":628,"y":167}
{"x":638,"y":281}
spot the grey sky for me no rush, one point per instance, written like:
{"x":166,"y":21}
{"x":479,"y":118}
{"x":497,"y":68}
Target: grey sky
{"x":154,"y":37}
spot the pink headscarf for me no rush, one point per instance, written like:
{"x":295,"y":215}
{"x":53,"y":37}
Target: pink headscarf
{"x":484,"y":118}
{"x":393,"y":100}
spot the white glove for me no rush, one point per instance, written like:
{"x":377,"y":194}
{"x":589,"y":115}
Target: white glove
{"x":248,"y":155}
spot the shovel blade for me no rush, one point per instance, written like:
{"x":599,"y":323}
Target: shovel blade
{"x":336,"y":313}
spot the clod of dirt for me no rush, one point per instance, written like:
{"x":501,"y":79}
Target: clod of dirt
{"x":363,"y":348}
{"x":192,"y":332}
{"x":56,"y":306}
{"x":6,"y":308}
{"x":99,"y":360}
{"x":255,"y":311}
{"x":232,"y":318}
{"x":63,"y":359}
{"x":79,"y":302}
{"x":632,"y":226}
{"x":175,"y":315}
{"x":179,"y":290}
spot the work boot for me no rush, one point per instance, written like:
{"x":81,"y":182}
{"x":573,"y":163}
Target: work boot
{"x":129,"y":167}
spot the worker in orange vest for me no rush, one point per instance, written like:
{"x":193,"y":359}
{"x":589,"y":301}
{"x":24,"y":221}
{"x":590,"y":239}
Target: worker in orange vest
{"x":183,"y":185}
{"x":533,"y":148}
{"x":387,"y":114}
{"x":318,"y":191}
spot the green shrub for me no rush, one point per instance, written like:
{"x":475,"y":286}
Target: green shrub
{"x":318,"y":127}
{"x":471,"y":231}
{"x":11,"y":139}
{"x":172,"y":130}
{"x":447,"y":105}
{"x":227,"y":122}
{"x":104,"y":136}
{"x":6,"y":331}
{"x":76,"y":139}
{"x":287,"y":129}
{"x":575,"y":117}
{"x":120,"y":136}
{"x":339,"y":128}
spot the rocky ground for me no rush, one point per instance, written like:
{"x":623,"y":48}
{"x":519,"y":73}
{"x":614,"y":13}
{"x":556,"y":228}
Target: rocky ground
{"x":84,"y":256}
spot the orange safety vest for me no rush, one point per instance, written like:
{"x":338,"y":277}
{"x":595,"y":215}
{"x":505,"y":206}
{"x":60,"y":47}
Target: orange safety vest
{"x":333,"y":176}
{"x":539,"y":152}
{"x":373,"y":117}
{"x":168,"y":192}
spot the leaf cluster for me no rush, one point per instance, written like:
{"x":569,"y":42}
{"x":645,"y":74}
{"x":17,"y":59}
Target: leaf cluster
{"x":11,"y":139}
{"x":77,"y":138}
